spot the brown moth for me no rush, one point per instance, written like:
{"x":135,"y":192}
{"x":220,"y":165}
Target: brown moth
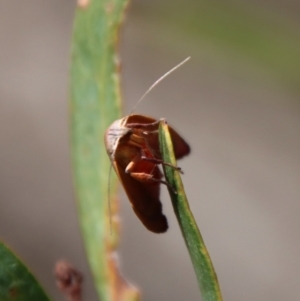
{"x":132,"y":145}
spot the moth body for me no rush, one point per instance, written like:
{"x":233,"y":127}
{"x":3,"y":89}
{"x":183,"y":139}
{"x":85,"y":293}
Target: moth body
{"x":133,"y":147}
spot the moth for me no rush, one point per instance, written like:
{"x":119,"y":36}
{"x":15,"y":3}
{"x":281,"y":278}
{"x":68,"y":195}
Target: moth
{"x":132,"y":145}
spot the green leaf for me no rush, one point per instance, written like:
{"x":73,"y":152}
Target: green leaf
{"x":95,"y":104}
{"x":207,"y":278}
{"x":16,"y":281}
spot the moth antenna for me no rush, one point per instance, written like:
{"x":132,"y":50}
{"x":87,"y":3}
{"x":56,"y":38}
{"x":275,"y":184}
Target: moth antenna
{"x":157,"y":82}
{"x":108,"y":198}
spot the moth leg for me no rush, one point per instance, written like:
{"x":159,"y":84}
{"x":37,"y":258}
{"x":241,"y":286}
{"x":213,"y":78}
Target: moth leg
{"x":147,"y":133}
{"x":144,"y":177}
{"x":143,"y":125}
{"x":136,"y":141}
{"x":165,"y":183}
{"x":158,"y":161}
{"x":140,"y":176}
{"x":132,"y":164}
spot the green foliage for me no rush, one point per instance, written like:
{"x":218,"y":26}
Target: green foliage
{"x":95,"y":103}
{"x":16,"y":281}
{"x":207,"y":278}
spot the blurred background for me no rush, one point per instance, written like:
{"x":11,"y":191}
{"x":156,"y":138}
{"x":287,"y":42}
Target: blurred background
{"x":236,"y":102}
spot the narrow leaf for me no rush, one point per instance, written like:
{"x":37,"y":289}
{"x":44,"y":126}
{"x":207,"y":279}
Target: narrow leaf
{"x":207,"y":278}
{"x":95,"y":104}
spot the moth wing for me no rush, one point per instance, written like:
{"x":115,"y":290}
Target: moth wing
{"x":181,"y":147}
{"x":144,"y":198}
